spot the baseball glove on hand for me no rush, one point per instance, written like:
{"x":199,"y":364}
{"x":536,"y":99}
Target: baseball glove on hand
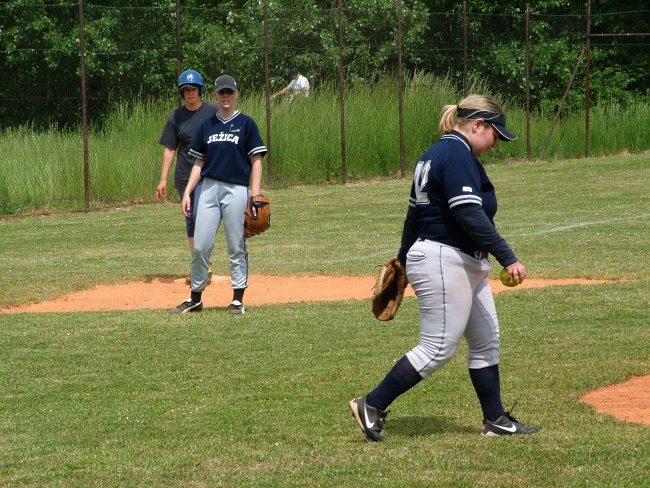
{"x":389,"y":290}
{"x":258,"y":216}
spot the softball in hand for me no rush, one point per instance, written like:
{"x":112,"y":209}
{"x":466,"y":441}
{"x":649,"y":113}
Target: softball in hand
{"x":506,"y":279}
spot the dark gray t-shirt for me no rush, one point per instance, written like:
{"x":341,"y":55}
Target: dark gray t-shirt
{"x":178,"y":134}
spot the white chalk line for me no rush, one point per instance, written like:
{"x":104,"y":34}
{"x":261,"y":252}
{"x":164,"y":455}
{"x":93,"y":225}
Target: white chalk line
{"x":383,"y":256}
{"x":585,"y":224}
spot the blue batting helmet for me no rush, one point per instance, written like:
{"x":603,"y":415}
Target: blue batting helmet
{"x":190,"y":77}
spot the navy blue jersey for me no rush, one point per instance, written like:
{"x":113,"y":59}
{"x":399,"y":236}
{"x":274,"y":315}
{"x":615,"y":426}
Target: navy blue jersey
{"x":448,"y":178}
{"x":178,"y":134}
{"x":226,"y":146}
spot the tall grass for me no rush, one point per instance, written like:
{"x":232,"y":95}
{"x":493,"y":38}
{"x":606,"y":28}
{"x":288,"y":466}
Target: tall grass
{"x":40,"y":169}
{"x":125,"y":156}
{"x":45,"y":169}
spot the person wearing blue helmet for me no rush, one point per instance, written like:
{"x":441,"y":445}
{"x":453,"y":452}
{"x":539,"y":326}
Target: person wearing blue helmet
{"x":177,"y":137}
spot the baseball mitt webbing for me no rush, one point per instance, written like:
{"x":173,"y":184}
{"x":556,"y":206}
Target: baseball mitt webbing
{"x":255,"y":224}
{"x":389,"y":290}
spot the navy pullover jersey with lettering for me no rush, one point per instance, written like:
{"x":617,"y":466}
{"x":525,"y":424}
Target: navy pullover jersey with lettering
{"x":448,"y":174}
{"x":226,"y":146}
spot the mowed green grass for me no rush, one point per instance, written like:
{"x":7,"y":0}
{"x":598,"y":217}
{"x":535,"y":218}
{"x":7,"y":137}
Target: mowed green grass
{"x":146,"y":398}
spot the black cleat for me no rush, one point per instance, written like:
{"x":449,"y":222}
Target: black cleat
{"x":371,"y":420}
{"x":188,"y":306}
{"x":506,"y":424}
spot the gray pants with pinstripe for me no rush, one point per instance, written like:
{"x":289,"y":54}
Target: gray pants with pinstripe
{"x":455,"y":301}
{"x":220,"y":201}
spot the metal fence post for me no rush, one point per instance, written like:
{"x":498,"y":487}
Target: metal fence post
{"x":465,"y":76}
{"x":84,"y":106}
{"x":344,"y":169}
{"x":179,"y":47}
{"x":400,"y":91}
{"x":528,"y":152}
{"x":179,"y":51}
{"x":267,"y":96}
{"x":587,"y":82}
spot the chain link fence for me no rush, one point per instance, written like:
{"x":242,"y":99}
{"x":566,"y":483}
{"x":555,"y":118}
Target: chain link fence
{"x":69,"y":65}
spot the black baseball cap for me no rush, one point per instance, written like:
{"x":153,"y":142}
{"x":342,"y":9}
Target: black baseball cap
{"x":498,"y":121}
{"x":225,"y":82}
{"x":294,"y":71}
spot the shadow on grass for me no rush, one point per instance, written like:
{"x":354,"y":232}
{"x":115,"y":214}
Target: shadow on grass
{"x":420,"y":426}
{"x":163,"y":278}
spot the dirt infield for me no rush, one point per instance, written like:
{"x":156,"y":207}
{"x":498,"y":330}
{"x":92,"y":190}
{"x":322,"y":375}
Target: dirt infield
{"x":263,"y":290}
{"x":629,"y":401}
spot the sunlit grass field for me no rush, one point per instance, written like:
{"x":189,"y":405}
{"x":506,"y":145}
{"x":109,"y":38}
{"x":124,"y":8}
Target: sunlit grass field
{"x":147,"y":398}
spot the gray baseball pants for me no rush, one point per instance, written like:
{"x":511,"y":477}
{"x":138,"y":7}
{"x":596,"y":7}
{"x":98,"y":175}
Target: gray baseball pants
{"x":220,"y":201}
{"x":455,"y":300}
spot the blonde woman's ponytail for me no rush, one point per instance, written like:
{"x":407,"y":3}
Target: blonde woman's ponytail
{"x":447,"y":119}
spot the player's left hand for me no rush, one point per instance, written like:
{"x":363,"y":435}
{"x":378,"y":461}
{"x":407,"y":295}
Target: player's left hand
{"x":257,"y":217}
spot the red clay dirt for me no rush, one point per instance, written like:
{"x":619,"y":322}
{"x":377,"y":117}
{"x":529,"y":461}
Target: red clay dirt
{"x":629,"y":401}
{"x":263,"y":290}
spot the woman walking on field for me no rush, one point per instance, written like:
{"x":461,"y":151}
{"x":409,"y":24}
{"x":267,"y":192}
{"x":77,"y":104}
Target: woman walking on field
{"x":448,"y":232}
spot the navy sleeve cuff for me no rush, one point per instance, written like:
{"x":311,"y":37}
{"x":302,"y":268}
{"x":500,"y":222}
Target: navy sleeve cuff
{"x":474,"y":222}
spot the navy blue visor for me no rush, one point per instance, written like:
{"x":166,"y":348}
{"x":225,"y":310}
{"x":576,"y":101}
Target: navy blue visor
{"x":498,"y":121}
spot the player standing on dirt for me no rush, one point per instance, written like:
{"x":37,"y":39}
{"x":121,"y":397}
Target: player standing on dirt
{"x":448,"y":232}
{"x":177,"y":137}
{"x":229,"y":151}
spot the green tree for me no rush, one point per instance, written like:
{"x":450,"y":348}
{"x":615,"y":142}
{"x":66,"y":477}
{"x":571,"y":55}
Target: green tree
{"x":39,"y":78}
{"x":131,"y":48}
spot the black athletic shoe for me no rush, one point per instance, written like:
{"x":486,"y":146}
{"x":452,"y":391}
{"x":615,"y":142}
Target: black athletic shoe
{"x":371,"y":420}
{"x":188,"y":306}
{"x":506,"y":424}
{"x":236,"y":308}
